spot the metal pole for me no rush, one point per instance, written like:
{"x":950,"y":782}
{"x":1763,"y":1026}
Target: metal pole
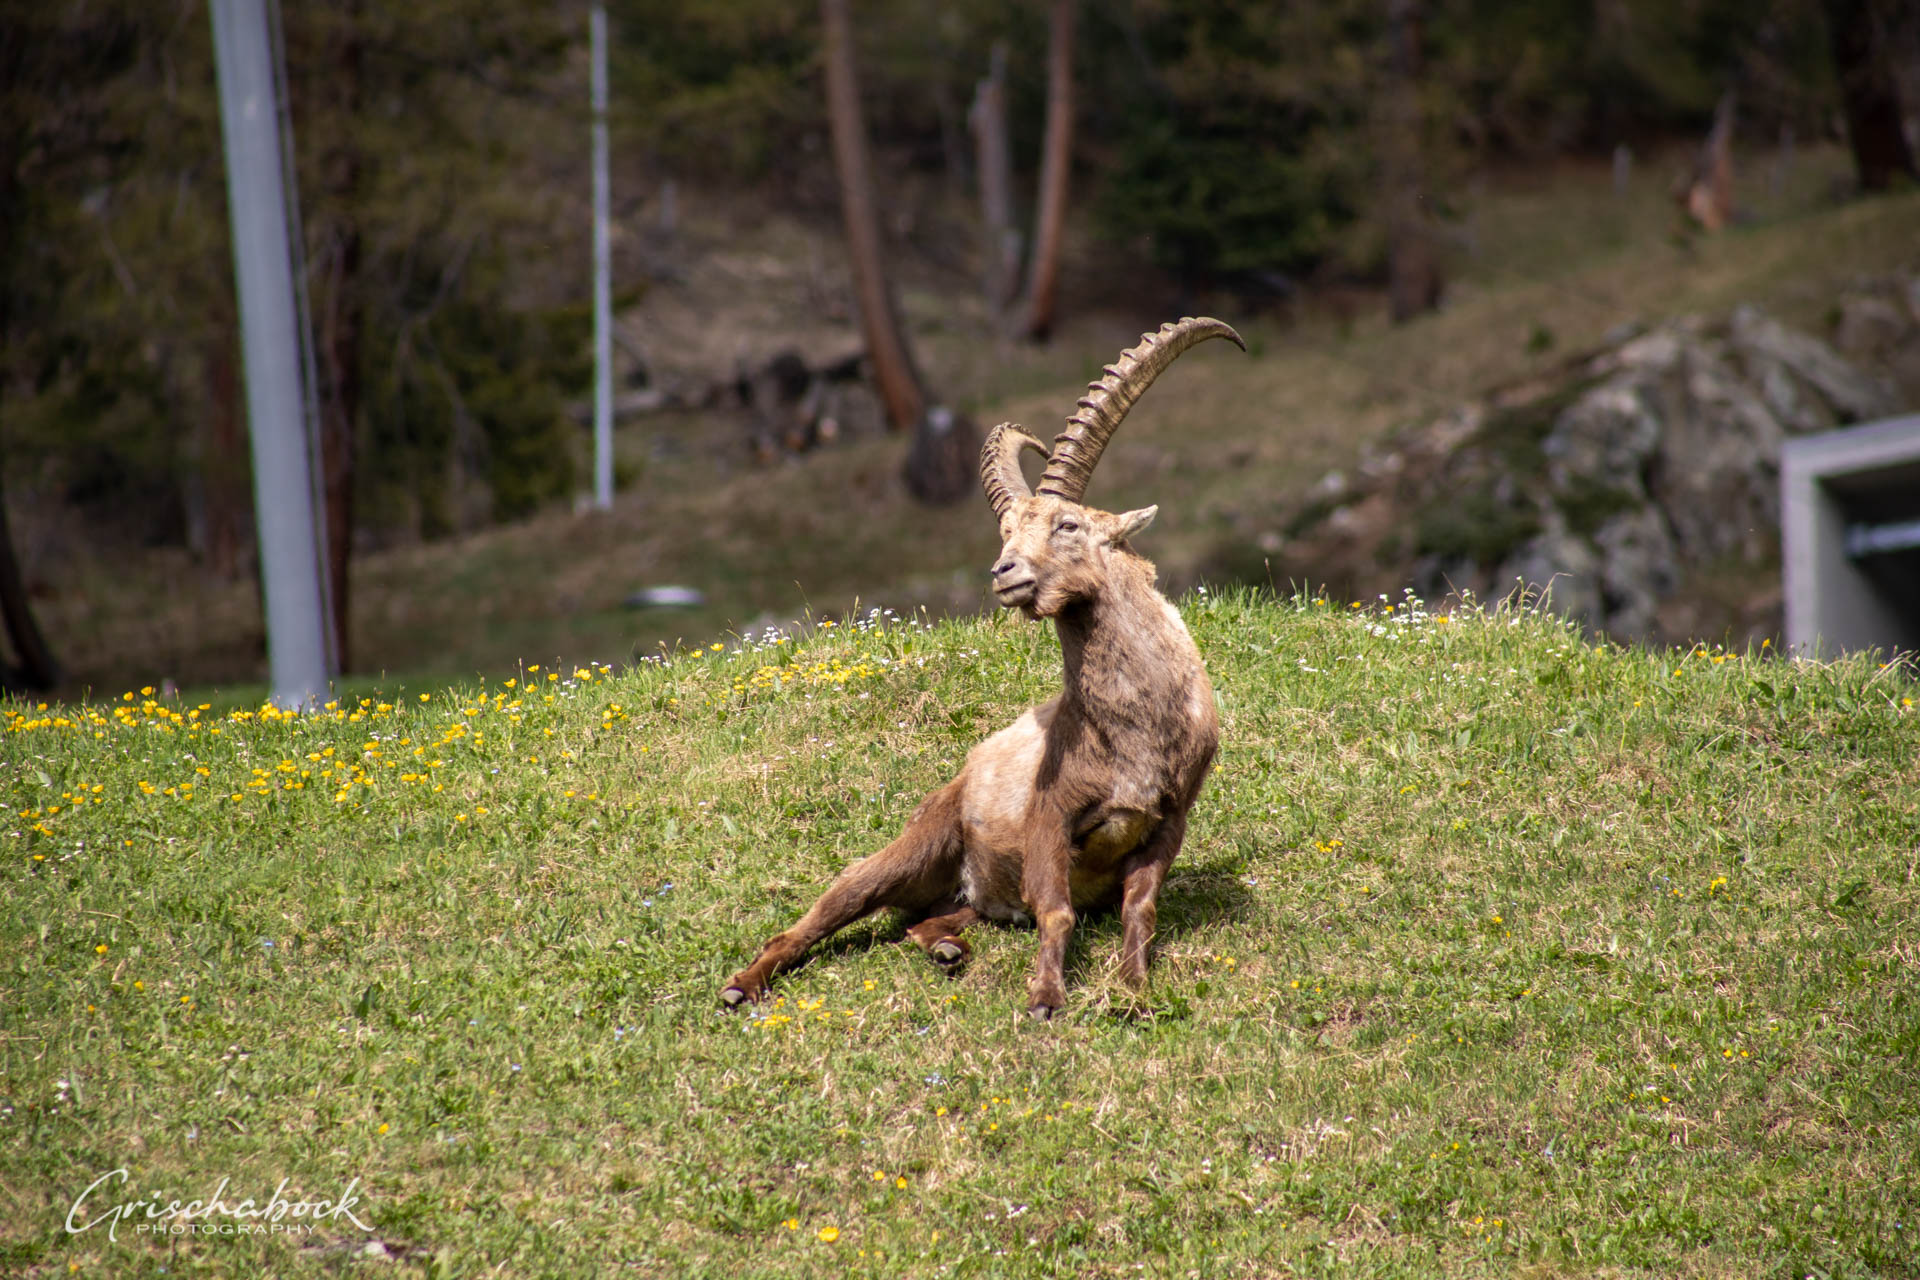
{"x":602,"y":277}
{"x":270,"y":347}
{"x":303,"y":315}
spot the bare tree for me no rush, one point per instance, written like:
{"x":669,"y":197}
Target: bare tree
{"x":901,"y":392}
{"x":1869,"y":94}
{"x":939,"y":466}
{"x":1056,"y":163}
{"x":993,"y":161}
{"x":1707,"y":195}
{"x":224,"y":471}
{"x":1413,"y":277}
{"x":37,"y":669}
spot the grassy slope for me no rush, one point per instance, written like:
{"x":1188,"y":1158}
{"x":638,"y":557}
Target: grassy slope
{"x":1487,"y":949}
{"x":1216,"y":445}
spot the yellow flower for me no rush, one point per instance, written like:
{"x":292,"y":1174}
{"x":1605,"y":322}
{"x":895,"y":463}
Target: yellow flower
{"x":425,"y":696}
{"x":900,"y":1182}
{"x":382,"y":1129}
{"x":100,"y":950}
{"x":828,"y":1234}
{"x":791,"y":1224}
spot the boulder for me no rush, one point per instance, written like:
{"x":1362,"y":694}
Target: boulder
{"x":1637,"y":492}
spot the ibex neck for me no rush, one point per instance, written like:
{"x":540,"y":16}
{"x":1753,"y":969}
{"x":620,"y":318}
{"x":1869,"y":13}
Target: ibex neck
{"x":1120,"y":646}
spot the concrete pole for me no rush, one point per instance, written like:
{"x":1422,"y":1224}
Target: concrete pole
{"x":270,"y":348}
{"x":602,"y":277}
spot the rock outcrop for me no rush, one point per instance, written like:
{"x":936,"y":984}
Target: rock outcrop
{"x":1639,"y":490}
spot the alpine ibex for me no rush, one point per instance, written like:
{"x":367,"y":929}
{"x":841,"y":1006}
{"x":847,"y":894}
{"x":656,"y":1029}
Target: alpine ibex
{"x":1082,"y":802}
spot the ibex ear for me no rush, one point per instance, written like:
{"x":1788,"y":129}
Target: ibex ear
{"x":1132,"y":522}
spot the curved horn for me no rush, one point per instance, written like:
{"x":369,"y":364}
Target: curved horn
{"x":1076,"y":451}
{"x":1000,"y":466}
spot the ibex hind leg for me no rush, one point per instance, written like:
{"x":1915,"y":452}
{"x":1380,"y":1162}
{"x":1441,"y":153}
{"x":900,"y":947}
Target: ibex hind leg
{"x":939,"y":934}
{"x":915,"y":872}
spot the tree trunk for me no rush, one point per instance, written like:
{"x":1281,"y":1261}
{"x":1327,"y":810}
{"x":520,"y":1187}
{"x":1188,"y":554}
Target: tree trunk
{"x":1869,"y":95}
{"x":1413,"y":277}
{"x":901,"y":392}
{"x":37,"y":669}
{"x":1709,"y":197}
{"x":943,"y":465}
{"x":1056,"y":164}
{"x":994,"y":164}
{"x":340,"y":326}
{"x":225,"y":466}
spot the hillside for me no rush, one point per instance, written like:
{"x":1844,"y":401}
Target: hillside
{"x":1489,"y":951}
{"x":1546,"y":264}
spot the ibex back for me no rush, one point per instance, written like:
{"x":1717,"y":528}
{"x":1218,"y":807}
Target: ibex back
{"x":1082,"y":802}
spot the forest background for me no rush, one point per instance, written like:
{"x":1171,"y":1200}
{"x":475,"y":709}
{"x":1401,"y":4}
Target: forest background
{"x":1256,"y":159}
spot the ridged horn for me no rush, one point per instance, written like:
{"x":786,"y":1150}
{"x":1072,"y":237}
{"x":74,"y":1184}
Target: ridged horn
{"x":1077,"y":450}
{"x":1000,"y":466}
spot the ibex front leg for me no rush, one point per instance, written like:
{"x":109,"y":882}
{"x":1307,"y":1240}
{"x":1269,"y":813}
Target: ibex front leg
{"x":1145,"y":871}
{"x":1045,"y":883}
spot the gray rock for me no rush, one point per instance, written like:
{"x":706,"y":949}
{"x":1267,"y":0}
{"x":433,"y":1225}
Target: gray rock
{"x":1858,"y":396}
{"x":1638,"y":567}
{"x":1562,"y":568}
{"x":1870,"y":327}
{"x":1604,"y":439}
{"x":1717,"y":476}
{"x":1798,"y":411}
{"x":1663,"y":468}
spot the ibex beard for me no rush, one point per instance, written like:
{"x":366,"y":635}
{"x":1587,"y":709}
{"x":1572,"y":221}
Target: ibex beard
{"x":1080,"y":804}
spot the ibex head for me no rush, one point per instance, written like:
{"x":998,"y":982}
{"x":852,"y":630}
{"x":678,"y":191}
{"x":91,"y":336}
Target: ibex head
{"x":1056,"y":550}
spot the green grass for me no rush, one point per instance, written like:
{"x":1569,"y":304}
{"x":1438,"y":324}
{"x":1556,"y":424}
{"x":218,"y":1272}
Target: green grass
{"x":1490,"y":953}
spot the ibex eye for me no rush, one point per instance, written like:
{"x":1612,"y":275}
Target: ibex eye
{"x":1065,"y":526}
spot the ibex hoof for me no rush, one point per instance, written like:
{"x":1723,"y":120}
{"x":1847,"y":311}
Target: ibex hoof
{"x":1041,"y":1012}
{"x":948,"y":953}
{"x":733,"y":997}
